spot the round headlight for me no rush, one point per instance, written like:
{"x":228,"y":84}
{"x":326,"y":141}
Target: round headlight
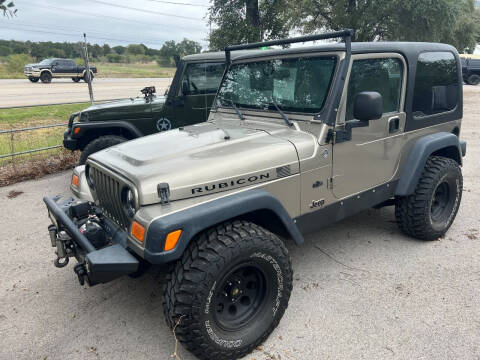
{"x":129,"y":202}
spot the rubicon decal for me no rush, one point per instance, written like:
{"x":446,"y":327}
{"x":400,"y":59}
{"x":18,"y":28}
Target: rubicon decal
{"x":232,"y":183}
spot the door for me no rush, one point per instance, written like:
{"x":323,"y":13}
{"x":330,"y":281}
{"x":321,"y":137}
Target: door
{"x":198,"y":89}
{"x":64,"y":68}
{"x":371,"y":156}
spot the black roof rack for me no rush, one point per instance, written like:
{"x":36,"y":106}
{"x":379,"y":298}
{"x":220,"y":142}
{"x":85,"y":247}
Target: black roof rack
{"x":345,"y":34}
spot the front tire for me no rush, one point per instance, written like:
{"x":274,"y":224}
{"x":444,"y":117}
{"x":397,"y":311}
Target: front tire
{"x":229,"y":290}
{"x":473,"y":79}
{"x":46,"y":77}
{"x":429,"y":212}
{"x":33,"y":79}
{"x":76,"y":79}
{"x":98,"y":144}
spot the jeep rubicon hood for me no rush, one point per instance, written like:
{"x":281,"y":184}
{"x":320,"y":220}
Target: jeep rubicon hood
{"x":199,"y":160}
{"x":112,"y":109}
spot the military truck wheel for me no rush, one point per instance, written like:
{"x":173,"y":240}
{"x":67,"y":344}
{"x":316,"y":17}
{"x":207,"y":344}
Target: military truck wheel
{"x":33,"y":79}
{"x":46,"y":77}
{"x":428,"y":213}
{"x":76,"y":79}
{"x":473,"y":79}
{"x":86,"y":79}
{"x":229,"y":290}
{"x":98,"y":144}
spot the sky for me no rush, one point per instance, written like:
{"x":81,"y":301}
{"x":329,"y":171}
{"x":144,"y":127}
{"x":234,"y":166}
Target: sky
{"x":114,"y":22}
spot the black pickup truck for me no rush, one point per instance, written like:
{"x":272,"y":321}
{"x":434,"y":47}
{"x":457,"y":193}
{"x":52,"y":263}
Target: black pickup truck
{"x":471,"y":70}
{"x":48,"y":69}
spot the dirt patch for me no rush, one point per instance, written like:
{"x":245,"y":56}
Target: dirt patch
{"x":36,"y":168}
{"x":14,"y":193}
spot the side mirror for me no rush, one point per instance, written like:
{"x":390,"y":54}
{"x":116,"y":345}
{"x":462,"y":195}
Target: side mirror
{"x":368,"y":105}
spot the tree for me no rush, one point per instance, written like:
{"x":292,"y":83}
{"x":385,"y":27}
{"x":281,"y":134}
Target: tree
{"x":241,"y":21}
{"x":8,"y":9}
{"x":187,"y":47}
{"x":120,"y":50}
{"x":106,"y":49}
{"x":136,"y":49}
{"x":449,"y":21}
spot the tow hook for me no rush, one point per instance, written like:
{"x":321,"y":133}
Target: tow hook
{"x":59,"y":241}
{"x":81,"y":272}
{"x":59,"y":263}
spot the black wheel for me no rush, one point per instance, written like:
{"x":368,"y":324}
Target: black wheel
{"x":86,"y":79}
{"x":229,"y":290}
{"x":46,"y":77}
{"x":428,"y":213}
{"x":76,"y":79}
{"x":98,"y":144}
{"x":33,"y":79}
{"x":473,"y":79}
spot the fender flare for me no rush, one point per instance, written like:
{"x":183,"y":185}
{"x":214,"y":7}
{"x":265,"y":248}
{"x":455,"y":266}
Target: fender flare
{"x":196,"y":219}
{"x":94,"y":125}
{"x":423,"y":148}
{"x":47,"y":70}
{"x":85,"y":70}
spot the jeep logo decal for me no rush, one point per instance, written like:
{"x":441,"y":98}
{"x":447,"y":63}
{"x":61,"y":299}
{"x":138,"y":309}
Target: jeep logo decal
{"x":228,"y":184}
{"x":163,"y":124}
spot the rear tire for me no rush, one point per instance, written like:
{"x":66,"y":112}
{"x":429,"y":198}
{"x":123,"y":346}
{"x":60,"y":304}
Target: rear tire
{"x":473,"y":79}
{"x":46,"y":77}
{"x":98,"y":144}
{"x":229,"y":290}
{"x":33,"y":79}
{"x":76,"y":79}
{"x":428,"y":213}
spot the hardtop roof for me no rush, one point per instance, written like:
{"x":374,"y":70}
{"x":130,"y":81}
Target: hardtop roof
{"x":219,"y":55}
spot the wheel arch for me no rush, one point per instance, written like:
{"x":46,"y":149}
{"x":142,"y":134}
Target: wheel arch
{"x":46,"y":70}
{"x":440,"y":144}
{"x":91,"y":131}
{"x":257,"y":206}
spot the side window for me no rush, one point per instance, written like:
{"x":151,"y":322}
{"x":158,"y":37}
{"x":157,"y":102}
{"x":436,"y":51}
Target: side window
{"x":436,"y":84}
{"x":202,"y":78}
{"x":384,"y":76}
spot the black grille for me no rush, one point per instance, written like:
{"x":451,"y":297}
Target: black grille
{"x":109,"y":195}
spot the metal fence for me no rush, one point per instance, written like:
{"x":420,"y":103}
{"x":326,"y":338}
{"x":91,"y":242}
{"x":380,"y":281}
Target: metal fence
{"x":29,"y":140}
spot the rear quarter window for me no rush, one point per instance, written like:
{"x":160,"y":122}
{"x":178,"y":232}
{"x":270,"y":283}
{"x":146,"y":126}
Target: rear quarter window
{"x":436,"y":84}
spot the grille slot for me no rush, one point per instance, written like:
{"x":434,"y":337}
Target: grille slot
{"x":284,"y":171}
{"x":109,"y":195}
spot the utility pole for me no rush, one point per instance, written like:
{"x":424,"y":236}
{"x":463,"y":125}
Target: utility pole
{"x":87,"y":73}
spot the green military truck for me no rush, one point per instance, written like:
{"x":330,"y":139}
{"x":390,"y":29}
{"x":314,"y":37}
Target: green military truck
{"x":298,"y":139}
{"x":187,"y":101}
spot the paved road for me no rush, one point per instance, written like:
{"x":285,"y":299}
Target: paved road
{"x":22,"y":92}
{"x":361,"y":289}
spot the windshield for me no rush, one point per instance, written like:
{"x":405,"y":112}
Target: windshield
{"x":45,"y":62}
{"x":295,"y":85}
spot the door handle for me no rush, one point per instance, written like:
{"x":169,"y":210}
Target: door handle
{"x":393,"y":124}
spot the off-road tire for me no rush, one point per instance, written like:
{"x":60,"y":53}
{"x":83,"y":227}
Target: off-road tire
{"x":194,"y":286}
{"x":415,"y":213}
{"x":86,"y":79}
{"x":473,"y":79}
{"x":33,"y":79}
{"x":98,"y":144}
{"x":76,"y":79}
{"x":46,"y":77}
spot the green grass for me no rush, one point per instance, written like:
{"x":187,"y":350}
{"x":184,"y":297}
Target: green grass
{"x":110,"y":70}
{"x":30,"y":117}
{"x":45,"y":114}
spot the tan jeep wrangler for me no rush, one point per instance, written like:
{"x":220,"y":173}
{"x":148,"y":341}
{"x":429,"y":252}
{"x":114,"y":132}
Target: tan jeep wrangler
{"x":299,"y":138}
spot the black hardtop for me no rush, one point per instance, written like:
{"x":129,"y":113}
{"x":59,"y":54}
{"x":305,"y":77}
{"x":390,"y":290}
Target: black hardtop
{"x":408,"y":49}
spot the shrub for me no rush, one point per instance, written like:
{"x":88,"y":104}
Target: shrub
{"x":114,"y":58}
{"x":16,"y":62}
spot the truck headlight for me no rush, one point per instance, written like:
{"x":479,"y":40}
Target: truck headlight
{"x":129,"y":202}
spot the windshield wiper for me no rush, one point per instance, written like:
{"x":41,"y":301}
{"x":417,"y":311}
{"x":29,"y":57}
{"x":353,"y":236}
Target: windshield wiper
{"x":237,"y":110}
{"x":284,"y":116}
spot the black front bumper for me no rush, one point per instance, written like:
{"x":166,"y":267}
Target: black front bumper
{"x":95,"y":265}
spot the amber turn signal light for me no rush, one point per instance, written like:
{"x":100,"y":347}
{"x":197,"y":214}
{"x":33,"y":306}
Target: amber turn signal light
{"x":138,"y":231}
{"x":172,"y":240}
{"x":76,"y":130}
{"x":75,"y":180}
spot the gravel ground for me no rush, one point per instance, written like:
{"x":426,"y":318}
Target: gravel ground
{"x":361,"y":291}
{"x":16,"y":92}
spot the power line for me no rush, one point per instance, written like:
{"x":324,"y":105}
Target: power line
{"x":144,"y":10}
{"x":74,"y":35}
{"x":178,"y":3}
